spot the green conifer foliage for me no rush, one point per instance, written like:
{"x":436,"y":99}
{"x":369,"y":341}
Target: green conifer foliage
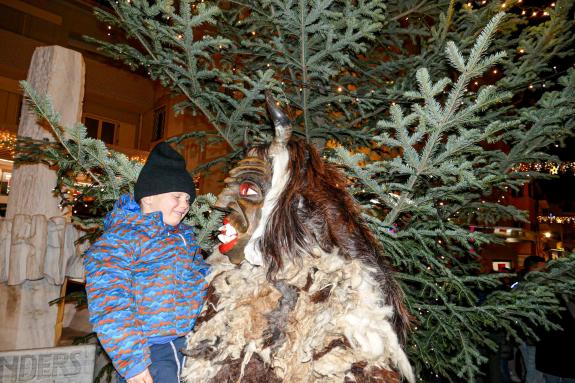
{"x":421,"y":204}
{"x":447,"y":97}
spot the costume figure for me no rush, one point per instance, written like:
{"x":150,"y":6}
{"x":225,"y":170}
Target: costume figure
{"x":313,"y":300}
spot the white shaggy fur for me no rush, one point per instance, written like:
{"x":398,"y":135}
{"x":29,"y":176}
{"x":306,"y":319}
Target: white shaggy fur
{"x":354,"y":309}
{"x":279,"y":181}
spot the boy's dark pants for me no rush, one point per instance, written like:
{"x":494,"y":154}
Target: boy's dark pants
{"x":167,"y":361}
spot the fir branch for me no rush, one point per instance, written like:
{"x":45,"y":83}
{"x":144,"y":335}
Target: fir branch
{"x":43,"y":108}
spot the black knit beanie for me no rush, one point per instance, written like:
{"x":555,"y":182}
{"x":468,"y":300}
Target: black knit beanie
{"x":164,"y":172}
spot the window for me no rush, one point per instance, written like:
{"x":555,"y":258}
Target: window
{"x":101,"y":129}
{"x":5,"y":182}
{"x":159,"y":123}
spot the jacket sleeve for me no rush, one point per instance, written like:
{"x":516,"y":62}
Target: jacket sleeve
{"x":111,"y":304}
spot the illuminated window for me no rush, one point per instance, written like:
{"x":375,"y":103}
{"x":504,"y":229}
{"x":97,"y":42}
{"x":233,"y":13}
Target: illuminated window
{"x":5,"y":182}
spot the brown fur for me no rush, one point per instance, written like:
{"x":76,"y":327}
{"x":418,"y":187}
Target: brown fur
{"x":255,"y":372}
{"x":321,"y":295}
{"x":372,"y":374}
{"x":316,"y":205}
{"x":340,"y":342}
{"x":211,"y":302}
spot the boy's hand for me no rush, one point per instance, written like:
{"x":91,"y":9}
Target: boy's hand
{"x":142,"y":377}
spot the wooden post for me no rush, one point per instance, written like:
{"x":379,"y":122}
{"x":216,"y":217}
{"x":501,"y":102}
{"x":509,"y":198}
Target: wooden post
{"x":26,"y":319}
{"x":59,"y":73}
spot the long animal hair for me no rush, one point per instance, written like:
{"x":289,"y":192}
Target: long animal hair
{"x":315,"y":209}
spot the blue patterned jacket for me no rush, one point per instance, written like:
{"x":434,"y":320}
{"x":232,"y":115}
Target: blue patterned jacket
{"x":145,"y":284}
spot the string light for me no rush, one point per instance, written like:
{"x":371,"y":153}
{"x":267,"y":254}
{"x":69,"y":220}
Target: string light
{"x":555,"y":219}
{"x":549,"y":167}
{"x":371,"y":94}
{"x":138,"y":158}
{"x":8,"y":141}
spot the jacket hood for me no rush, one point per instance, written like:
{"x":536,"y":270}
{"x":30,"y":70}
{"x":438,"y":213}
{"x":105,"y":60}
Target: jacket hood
{"x":127,"y":211}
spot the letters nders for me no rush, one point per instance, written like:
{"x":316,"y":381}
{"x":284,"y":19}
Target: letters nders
{"x":73,"y":364}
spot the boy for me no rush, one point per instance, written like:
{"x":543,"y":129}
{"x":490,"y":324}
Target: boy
{"x":145,"y":275}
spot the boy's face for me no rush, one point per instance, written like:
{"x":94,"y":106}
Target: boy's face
{"x":174,"y":206}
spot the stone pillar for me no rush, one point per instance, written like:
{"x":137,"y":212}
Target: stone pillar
{"x":26,"y":319}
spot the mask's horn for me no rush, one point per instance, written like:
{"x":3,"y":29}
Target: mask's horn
{"x":246,"y":141}
{"x":281,"y":122}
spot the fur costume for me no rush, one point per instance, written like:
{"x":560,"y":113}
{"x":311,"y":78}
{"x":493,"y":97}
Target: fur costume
{"x":302,"y":293}
{"x":322,"y":321}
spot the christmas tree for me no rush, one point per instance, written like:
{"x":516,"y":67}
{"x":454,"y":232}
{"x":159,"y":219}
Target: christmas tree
{"x":429,"y":105}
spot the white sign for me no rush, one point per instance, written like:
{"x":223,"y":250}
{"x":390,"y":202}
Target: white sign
{"x":74,"y":364}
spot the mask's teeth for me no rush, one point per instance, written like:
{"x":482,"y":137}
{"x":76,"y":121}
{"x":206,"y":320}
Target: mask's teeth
{"x":227,"y":233}
{"x":230,"y":230}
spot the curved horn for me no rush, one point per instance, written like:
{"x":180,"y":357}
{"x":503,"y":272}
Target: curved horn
{"x":281,"y":122}
{"x":246,"y":142}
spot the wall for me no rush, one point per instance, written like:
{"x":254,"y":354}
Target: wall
{"x":111,"y":92}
